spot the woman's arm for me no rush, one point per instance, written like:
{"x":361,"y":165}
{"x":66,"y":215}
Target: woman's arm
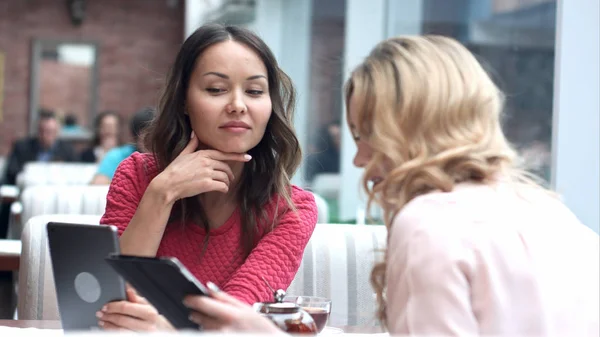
{"x":144,"y":233}
{"x":140,"y":212}
{"x":278,"y":254}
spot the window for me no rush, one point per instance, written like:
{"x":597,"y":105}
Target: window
{"x":515,"y":41}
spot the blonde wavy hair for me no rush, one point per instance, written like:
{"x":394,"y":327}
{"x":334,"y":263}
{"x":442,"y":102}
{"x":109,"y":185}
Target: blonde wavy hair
{"x":432,"y":116}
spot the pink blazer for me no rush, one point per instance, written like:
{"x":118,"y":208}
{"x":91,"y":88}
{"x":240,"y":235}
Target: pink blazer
{"x":492,"y":260}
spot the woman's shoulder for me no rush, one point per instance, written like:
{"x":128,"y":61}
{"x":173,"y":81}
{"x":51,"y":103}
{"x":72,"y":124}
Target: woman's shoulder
{"x":302,"y":200}
{"x":301,"y":196}
{"x":446,"y":216}
{"x":297,"y":196}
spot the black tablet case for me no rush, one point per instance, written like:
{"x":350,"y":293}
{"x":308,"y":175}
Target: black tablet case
{"x":164,"y":282}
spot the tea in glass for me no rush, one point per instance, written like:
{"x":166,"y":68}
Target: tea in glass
{"x":318,"y":307}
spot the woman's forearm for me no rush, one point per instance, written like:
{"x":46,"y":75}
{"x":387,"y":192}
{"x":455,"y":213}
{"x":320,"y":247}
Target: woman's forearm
{"x":145,"y":230}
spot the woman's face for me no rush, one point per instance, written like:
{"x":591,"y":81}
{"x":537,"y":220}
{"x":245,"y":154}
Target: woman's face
{"x":228,"y":99}
{"x":364,"y":152}
{"x":109,"y":127}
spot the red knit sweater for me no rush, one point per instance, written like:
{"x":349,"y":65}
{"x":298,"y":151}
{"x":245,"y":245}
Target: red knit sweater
{"x":276,"y":257}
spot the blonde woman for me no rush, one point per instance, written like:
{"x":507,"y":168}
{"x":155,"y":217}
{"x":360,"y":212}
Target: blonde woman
{"x":474,"y":247}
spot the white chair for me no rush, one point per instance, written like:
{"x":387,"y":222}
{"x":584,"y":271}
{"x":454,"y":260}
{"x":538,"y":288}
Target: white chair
{"x":322,"y":209}
{"x":36,"y":292}
{"x":48,"y":199}
{"x":36,"y":173}
{"x":337,"y":264}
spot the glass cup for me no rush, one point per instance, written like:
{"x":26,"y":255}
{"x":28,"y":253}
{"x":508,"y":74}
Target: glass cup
{"x":318,"y":307}
{"x":289,"y":317}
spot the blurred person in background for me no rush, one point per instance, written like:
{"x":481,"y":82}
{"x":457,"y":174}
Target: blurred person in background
{"x":475,"y":246}
{"x":326,"y":158}
{"x":107,"y":135}
{"x":71,"y":125}
{"x":109,"y":163}
{"x":44,"y":147}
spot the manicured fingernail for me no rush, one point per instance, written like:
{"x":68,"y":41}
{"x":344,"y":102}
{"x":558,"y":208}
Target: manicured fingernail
{"x":212,"y":287}
{"x":192,"y":135}
{"x":104,"y":308}
{"x":247,"y":157}
{"x":99,"y":314}
{"x":101,"y":323}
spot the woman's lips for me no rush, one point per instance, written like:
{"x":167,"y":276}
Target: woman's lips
{"x":235,"y":129}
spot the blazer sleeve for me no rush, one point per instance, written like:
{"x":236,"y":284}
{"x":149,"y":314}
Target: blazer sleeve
{"x":15,"y":163}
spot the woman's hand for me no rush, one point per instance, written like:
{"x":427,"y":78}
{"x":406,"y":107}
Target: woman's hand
{"x":222,"y":312}
{"x":135,"y":314}
{"x":194,"y":172}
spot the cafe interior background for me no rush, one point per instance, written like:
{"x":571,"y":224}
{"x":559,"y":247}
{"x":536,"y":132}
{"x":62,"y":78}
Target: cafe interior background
{"x":81,"y":57}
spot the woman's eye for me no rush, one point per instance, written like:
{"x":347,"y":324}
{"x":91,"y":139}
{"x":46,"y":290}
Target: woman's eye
{"x":255,"y":92}
{"x":215,"y":90}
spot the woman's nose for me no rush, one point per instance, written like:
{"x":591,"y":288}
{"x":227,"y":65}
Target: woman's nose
{"x":237,"y":104}
{"x":359,"y":160}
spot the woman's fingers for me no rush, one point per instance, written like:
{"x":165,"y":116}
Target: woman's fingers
{"x":137,"y":310}
{"x":217,"y":186}
{"x":220,"y":176}
{"x":218,"y":310}
{"x":191,"y":146}
{"x":109,"y":326}
{"x":222,"y":296}
{"x":207,"y":322}
{"x":134,"y":297}
{"x":120,"y":321}
{"x":223,"y":167}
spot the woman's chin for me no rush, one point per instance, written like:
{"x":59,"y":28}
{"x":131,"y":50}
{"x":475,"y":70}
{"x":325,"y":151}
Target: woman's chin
{"x":232,"y":149}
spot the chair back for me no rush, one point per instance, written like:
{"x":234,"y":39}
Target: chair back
{"x":36,"y":291}
{"x":337,"y":264}
{"x":48,"y":199}
{"x":36,"y":173}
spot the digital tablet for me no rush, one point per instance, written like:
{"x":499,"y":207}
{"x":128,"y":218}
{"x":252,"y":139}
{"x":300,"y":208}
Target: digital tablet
{"x":164,"y":282}
{"x":84,"y":281}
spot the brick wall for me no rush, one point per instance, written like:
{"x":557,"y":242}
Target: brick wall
{"x":137,"y":40}
{"x":68,"y":93}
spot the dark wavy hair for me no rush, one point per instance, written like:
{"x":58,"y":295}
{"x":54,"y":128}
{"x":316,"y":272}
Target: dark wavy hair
{"x":274,"y":159}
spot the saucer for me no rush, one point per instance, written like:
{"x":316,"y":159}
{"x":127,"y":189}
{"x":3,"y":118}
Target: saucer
{"x":328,"y":330}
